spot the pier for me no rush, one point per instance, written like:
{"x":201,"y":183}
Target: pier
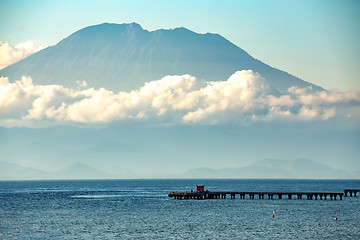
{"x":351,"y":192}
{"x":257,"y":195}
{"x":201,"y":193}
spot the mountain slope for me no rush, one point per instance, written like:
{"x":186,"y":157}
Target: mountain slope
{"x":11,"y":171}
{"x":124,"y":56}
{"x":79,"y":171}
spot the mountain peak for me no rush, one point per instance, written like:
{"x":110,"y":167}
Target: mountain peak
{"x":78,"y":165}
{"x":183,"y":30}
{"x":113,"y":28}
{"x":135,"y":25}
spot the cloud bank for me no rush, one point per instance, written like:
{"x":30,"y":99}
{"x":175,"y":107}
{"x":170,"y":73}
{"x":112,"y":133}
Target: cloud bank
{"x":244,"y":98}
{"x":11,"y":54}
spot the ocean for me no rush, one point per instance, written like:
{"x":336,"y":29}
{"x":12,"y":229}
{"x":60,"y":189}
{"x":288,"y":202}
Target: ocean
{"x":141,"y":209}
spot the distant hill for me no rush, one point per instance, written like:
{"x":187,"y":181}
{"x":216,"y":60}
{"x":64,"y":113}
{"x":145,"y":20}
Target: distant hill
{"x":10,"y":171}
{"x":267,"y":168}
{"x":275,"y":168}
{"x":79,"y":171}
{"x":124,"y":56}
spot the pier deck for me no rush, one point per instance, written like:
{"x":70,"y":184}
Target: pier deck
{"x":258,"y":195}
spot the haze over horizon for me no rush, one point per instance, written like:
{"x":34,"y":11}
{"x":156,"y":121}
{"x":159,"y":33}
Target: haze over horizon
{"x":122,"y":99}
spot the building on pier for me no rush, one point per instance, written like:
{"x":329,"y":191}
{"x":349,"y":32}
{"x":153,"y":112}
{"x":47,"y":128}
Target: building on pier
{"x":200,"y":188}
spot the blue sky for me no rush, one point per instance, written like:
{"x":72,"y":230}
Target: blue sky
{"x":315,"y":40}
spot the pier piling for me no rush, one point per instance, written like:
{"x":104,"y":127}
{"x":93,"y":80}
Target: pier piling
{"x":351,"y":192}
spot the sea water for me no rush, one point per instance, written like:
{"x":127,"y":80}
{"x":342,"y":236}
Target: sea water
{"x":141,"y":209}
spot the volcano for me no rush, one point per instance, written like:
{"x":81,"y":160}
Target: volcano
{"x":122,"y":57}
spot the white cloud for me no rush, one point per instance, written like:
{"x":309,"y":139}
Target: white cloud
{"x":11,"y":54}
{"x":244,"y":98}
{"x":81,"y":84}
